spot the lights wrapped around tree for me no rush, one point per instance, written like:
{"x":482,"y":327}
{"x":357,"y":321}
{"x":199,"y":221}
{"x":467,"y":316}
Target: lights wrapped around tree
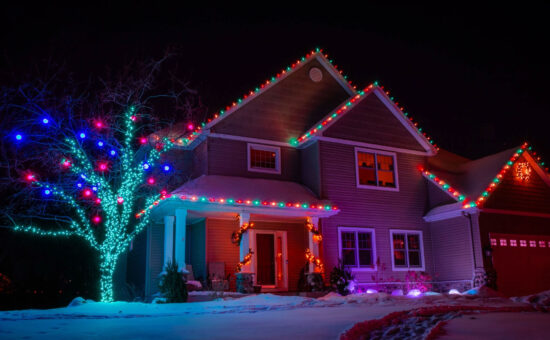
{"x":317,"y":237}
{"x":116,"y":199}
{"x":245,"y":261}
{"x":237,"y":236}
{"x":319,"y":267}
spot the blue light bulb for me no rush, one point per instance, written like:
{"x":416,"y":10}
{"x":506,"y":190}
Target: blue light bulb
{"x":18,"y":136}
{"x":45,"y":121}
{"x":113,"y":153}
{"x":146,"y":166}
{"x":47,"y":192}
{"x":100,"y":143}
{"x":82,"y":135}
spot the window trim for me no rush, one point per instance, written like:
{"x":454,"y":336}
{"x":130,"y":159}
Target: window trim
{"x":358,"y":229}
{"x":375,"y":152}
{"x":262,"y":147}
{"x":404,"y":269}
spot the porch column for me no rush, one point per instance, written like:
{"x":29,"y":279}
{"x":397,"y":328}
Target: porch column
{"x":313,"y":246}
{"x":247,"y":243}
{"x":179,"y":244}
{"x":168,"y":239}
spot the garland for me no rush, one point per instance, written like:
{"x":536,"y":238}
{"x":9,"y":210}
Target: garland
{"x":237,"y":236}
{"x":317,"y":237}
{"x":319,"y":267}
{"x":245,"y":261}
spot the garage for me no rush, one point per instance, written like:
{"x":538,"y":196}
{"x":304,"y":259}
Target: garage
{"x":522,"y":263}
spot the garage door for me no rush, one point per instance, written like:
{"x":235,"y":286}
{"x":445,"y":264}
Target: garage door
{"x":522,"y":263}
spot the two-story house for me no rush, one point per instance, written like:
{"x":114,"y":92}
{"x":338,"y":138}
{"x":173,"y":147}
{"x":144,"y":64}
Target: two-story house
{"x":305,"y":168}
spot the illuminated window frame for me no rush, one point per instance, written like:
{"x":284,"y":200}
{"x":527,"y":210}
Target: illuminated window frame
{"x":275,"y":149}
{"x":420,"y":239}
{"x":376,"y":152}
{"x":357,"y":230}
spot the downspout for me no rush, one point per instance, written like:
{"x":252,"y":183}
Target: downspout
{"x":474,"y":266}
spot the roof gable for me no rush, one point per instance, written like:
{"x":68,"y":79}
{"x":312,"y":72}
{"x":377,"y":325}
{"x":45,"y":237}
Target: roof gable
{"x":372,"y":121}
{"x":473,"y":182}
{"x":371,"y":117}
{"x":287,"y":98}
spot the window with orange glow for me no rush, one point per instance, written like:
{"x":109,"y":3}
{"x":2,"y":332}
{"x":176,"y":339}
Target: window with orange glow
{"x":375,"y":169}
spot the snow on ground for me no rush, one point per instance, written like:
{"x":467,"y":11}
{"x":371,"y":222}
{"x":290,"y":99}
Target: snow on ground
{"x":499,"y":326}
{"x":265,"y":316}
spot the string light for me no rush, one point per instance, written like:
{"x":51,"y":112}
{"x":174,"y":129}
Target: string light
{"x":18,"y":137}
{"x":112,"y":153}
{"x":198,"y":130}
{"x":82,"y":135}
{"x":151,"y":180}
{"x":45,"y":121}
{"x":100,"y":143}
{"x":166,"y":168}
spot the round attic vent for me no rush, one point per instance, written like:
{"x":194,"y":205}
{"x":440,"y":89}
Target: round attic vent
{"x":315,"y":74}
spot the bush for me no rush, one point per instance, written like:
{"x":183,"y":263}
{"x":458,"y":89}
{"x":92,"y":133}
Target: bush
{"x":418,"y":280}
{"x":172,"y":284}
{"x":340,"y":279}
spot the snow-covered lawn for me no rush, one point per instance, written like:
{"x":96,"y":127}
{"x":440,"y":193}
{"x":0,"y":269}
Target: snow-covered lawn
{"x":263,"y":316}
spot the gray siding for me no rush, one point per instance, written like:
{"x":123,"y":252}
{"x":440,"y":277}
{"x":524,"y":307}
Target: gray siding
{"x":288,"y":109}
{"x":200,"y":160}
{"x":436,"y":196}
{"x":155,"y":257}
{"x":310,"y":168}
{"x":370,"y":121}
{"x":229,"y":158}
{"x":378,"y":209}
{"x":452,"y":249}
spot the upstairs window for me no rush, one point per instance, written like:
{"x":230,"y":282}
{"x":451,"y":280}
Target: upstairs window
{"x":407,"y":250}
{"x":357,"y":248}
{"x":263,"y":158}
{"x":376,"y":169}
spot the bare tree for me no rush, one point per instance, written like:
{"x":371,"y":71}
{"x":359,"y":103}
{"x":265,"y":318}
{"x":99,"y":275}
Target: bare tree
{"x":80,"y":159}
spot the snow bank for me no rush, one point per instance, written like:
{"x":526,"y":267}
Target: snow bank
{"x":539,"y":299}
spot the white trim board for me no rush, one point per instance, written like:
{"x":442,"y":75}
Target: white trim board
{"x":373,"y":243}
{"x":376,"y":187}
{"x":421,"y":239}
{"x":368,"y":145}
{"x":261,"y":147}
{"x":248,"y":139}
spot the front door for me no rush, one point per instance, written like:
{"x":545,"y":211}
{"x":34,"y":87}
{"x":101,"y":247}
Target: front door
{"x":265,"y":245}
{"x":271,"y":263}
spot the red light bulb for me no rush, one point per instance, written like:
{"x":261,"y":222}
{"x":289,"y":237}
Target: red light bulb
{"x":96,"y":219}
{"x":151,"y":180}
{"x":120,"y":200}
{"x":143,"y":140}
{"x":190,"y":126}
{"x":87,"y":192}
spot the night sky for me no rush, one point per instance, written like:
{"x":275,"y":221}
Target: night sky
{"x":476,"y":79}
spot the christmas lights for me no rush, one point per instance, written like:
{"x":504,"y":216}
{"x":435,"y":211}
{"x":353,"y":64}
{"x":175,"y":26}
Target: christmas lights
{"x":523,"y":171}
{"x":117,"y":199}
{"x":349,"y":104}
{"x":198,"y":130}
{"x":236,"y":237}
{"x":498,"y":178}
{"x":316,"y":234}
{"x":243,"y":202}
{"x":246,"y":260}
{"x":319,"y":267}
{"x":443,"y":185}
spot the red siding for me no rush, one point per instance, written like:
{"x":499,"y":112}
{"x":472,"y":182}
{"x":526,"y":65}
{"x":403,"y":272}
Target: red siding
{"x":371,"y":121}
{"x":230,"y":157}
{"x":287,"y":109}
{"x":381,"y":210}
{"x":510,"y":224}
{"x":532,"y":195}
{"x":296,"y":244}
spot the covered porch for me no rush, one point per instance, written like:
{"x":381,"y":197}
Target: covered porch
{"x":219,"y":226}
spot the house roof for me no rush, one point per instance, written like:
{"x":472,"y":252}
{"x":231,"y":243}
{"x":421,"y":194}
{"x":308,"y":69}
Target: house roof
{"x":187,"y":138}
{"x":232,"y":190}
{"x":472,"y":181}
{"x":348,"y":106}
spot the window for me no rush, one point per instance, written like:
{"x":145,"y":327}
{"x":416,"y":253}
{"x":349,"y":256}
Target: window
{"x":542,"y":244}
{"x":533,"y":244}
{"x":357,"y":248}
{"x":522,"y":243}
{"x":376,"y":169}
{"x":407,"y":250}
{"x":263,"y":158}
{"x":513,"y":243}
{"x":503,"y":242}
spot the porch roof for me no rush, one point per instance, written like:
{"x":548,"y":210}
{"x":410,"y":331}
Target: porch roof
{"x":254,"y":195}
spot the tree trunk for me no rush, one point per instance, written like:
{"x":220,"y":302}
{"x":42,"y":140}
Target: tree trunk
{"x":107,"y":269}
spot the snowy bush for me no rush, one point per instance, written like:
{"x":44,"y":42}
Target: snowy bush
{"x":341,"y":279}
{"x":172,"y":284}
{"x":418,"y":280}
